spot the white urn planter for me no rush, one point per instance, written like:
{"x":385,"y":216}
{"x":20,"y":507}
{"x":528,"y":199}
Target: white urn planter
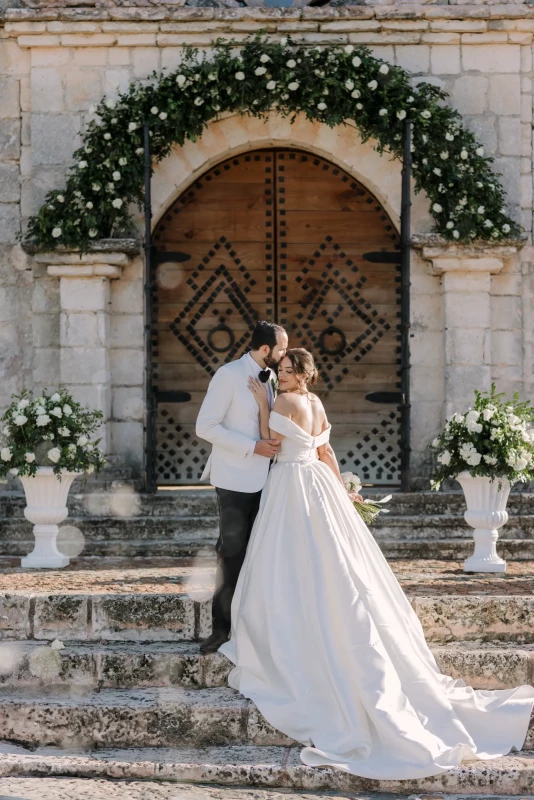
{"x":486,"y":512}
{"x":46,"y":498}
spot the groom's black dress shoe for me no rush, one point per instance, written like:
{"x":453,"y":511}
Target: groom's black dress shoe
{"x":213,"y":642}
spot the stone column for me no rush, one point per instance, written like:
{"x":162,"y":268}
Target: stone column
{"x":466,"y":272}
{"x":85,"y":325}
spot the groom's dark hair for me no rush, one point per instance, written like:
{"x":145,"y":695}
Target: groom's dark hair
{"x":265,"y":334}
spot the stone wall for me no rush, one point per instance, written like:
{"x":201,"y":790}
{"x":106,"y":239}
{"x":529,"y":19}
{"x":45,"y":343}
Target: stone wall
{"x":56,"y":62}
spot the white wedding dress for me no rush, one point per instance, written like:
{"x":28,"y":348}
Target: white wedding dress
{"x":328,"y":647}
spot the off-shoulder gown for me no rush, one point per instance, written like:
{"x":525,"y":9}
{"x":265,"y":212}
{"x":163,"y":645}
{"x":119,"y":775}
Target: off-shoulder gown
{"x":327,"y":646}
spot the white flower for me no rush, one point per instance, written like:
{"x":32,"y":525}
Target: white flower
{"x":89,"y":205}
{"x":54,"y":454}
{"x":449,"y":225}
{"x":82,"y":441}
{"x":67,"y":410}
{"x":123,"y":162}
{"x":264,"y":58}
{"x":199,"y":101}
{"x":271,"y":85}
{"x":283,"y":41}
{"x":139,"y":151}
{"x":56,"y":233}
{"x":154,"y":110}
{"x":42,"y":420}
{"x":425,"y":160}
{"x":293,"y":86}
{"x":488,"y":413}
{"x":29,"y":458}
{"x":445,"y":458}
{"x":490,"y":460}
{"x":488,"y":223}
{"x":57,"y":412}
{"x":506,"y":228}
{"x":116,"y":176}
{"x":132,"y":126}
{"x":372,"y":85}
{"x":163,"y":115}
{"x":349,"y":85}
{"x":240,"y":76}
{"x":107,"y":136}
{"x":72,"y":449}
{"x":260,"y":71}
{"x":480,"y":210}
{"x":96,"y":187}
{"x":474,"y":427}
{"x":479,"y":151}
{"x":93,"y":232}
{"x":321,"y":106}
{"x":60,"y":198}
{"x":24,"y":403}
{"x":464,"y":155}
{"x":82,"y":164}
{"x":359,"y":106}
{"x":456,"y":234}
{"x":20,"y":419}
{"x":437,"y":208}
{"x":110,"y":103}
{"x":6,"y":454}
{"x":384,"y":69}
{"x":90,"y":469}
{"x":449,"y":137}
{"x":180,"y":80}
{"x":437,"y":172}
{"x":426,"y":114}
{"x":117,"y":203}
{"x":356,"y":94}
{"x":409,"y":99}
{"x":472,"y":415}
{"x":92,"y":109}
{"x":349,"y":49}
{"x":383,"y":112}
{"x":356,"y":61}
{"x":444,"y":155}
{"x":458,"y":418}
{"x":401,"y":114}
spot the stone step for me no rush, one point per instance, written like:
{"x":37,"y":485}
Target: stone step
{"x":130,"y":665}
{"x":154,"y":717}
{"x":121,"y":500}
{"x":176,"y":617}
{"x":267,"y":767}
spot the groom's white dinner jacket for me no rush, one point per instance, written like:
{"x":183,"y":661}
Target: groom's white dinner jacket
{"x":229,"y":419}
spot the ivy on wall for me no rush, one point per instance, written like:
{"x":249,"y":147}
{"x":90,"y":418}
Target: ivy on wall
{"x":330,"y":85}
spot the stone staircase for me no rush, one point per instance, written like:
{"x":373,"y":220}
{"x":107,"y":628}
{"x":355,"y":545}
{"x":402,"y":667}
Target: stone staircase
{"x":129,"y":695}
{"x":116,"y":520}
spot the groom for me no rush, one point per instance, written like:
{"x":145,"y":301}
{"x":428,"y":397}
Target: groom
{"x":239,"y":461}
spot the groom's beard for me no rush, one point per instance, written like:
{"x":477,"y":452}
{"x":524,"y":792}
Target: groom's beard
{"x":271,"y":363}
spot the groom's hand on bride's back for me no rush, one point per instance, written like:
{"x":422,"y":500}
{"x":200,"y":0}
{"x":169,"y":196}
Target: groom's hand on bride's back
{"x":267,"y":447}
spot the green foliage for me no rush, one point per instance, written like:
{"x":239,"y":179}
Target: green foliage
{"x":330,"y":85}
{"x":493,"y":439}
{"x":49,"y":431}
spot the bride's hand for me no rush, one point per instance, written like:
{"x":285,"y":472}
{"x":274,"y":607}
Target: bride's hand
{"x":259,"y":390}
{"x":354,"y":497}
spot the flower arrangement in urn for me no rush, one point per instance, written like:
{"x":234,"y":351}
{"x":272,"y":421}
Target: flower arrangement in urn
{"x":47,"y":442}
{"x":487,"y":449}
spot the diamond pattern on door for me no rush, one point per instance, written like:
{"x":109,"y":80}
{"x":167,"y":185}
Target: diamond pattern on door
{"x":282,"y":235}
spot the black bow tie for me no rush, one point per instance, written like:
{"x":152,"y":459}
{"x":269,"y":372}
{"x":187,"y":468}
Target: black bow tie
{"x":264,"y":375}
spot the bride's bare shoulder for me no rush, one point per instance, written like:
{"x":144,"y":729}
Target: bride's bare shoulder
{"x":285,"y":404}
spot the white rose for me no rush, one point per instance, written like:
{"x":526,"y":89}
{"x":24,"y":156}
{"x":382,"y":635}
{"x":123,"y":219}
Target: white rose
{"x":42,"y":420}
{"x":474,"y":427}
{"x":355,"y":93}
{"x":122,"y":162}
{"x":488,"y":223}
{"x":23,"y":404}
{"x":293,"y":86}
{"x":116,"y":175}
{"x":89,"y":205}
{"x":163,"y":115}
{"x":93,"y":232}
{"x":82,"y":441}
{"x":117,"y":203}
{"x":445,"y":458}
{"x":372,"y":85}
{"x":426,"y":114}
{"x":321,"y":106}
{"x":154,"y":110}
{"x":132,"y":126}
{"x":264,"y":58}
{"x":401,"y":114}
{"x":435,"y":442}
{"x":56,"y":233}
{"x":506,"y":228}
{"x":271,"y":85}
{"x":96,"y":187}
{"x":464,"y":155}
{"x":240,"y":76}
{"x":383,"y":112}
{"x":20,"y":419}
{"x":456,"y":234}
{"x":6,"y":454}
{"x":107,"y":136}
{"x":29,"y":457}
{"x":60,"y":198}
{"x":409,"y":99}
{"x":520,"y":464}
{"x":444,"y":155}
{"x":67,"y":410}
{"x":57,"y":412}
{"x":449,"y":137}
{"x":90,"y":469}
{"x":82,"y":164}
{"x":384,"y":69}
{"x":260,"y":71}
{"x":54,"y":455}
{"x":139,"y":151}
{"x":199,"y":101}
{"x":479,"y":151}
{"x":474,"y":459}
{"x":449,"y":225}
{"x":458,"y":418}
{"x":488,"y":413}
{"x":472,"y":415}
{"x":291,"y":63}
{"x":437,"y":208}
{"x":180,"y":80}
{"x":349,"y":85}
{"x":480,"y":210}
{"x":437,"y":172}
{"x":356,"y":61}
{"x":110,"y":103}
{"x":490,"y":460}
{"x":349,"y":49}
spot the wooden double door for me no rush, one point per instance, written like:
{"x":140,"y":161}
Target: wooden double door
{"x":279,"y":234}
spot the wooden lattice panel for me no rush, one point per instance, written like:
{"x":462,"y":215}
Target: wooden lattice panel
{"x":279,"y":234}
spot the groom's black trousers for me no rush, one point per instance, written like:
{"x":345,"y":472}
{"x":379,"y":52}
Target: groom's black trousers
{"x":237,"y":512}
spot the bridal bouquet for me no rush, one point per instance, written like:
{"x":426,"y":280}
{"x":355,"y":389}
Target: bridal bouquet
{"x":367,"y":509}
{"x":493,"y":440}
{"x":49,"y":431}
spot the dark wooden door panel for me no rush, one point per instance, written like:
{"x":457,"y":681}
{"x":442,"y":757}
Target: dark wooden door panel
{"x":282,"y":235}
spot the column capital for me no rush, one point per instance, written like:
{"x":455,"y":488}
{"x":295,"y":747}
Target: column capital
{"x":443,"y":256}
{"x":105,"y":259}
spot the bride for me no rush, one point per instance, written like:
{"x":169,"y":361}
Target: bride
{"x":324,"y":640}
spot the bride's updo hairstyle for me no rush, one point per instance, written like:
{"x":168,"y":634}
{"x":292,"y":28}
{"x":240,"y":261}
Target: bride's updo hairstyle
{"x":303,"y":365}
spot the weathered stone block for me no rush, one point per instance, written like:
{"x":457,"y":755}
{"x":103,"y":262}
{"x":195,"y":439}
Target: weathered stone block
{"x":9,"y":139}
{"x":491,"y":58}
{"x":427,"y":383}
{"x":507,"y":348}
{"x":415,"y":59}
{"x":510,"y":169}
{"x":485,"y":130}
{"x":60,"y":616}
{"x":127,"y":297}
{"x":127,"y":367}
{"x":128,"y":404}
{"x":9,"y":183}
{"x":9,"y":98}
{"x":506,"y":312}
{"x":510,"y":136}
{"x":468,"y":347}
{"x":54,"y":138}
{"x":83,"y":365}
{"x":90,"y":56}
{"x":9,"y":223}
{"x":127,"y":330}
{"x":467,"y":310}
{"x":127,"y":440}
{"x":84,"y":294}
{"x":427,"y":349}
{"x":148,"y":617}
{"x":97,"y":397}
{"x":81,"y":329}
{"x":445,"y":60}
{"x":119,"y":56}
{"x":45,"y":296}
{"x":14,"y":616}
{"x":506,"y":283}
{"x":46,"y":91}
{"x":83,"y":87}
{"x":46,"y":366}
{"x":45,"y":329}
{"x":469,"y":94}
{"x":145,"y":60}
{"x":116,"y":80}
{"x":504,"y":94}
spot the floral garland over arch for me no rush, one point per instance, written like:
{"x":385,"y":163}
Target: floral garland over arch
{"x":329,"y":85}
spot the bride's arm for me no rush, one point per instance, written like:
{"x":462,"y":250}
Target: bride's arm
{"x":327,"y":456}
